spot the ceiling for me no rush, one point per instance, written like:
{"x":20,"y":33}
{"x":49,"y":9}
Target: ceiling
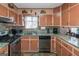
{"x":37,"y":5}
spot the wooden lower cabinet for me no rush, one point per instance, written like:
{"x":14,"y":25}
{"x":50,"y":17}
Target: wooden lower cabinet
{"x":53,"y":45}
{"x":65,"y":51}
{"x":4,"y":51}
{"x":25,"y":45}
{"x":34,"y":45}
{"x":58,"y":48}
{"x":30,"y":44}
{"x":76,"y":52}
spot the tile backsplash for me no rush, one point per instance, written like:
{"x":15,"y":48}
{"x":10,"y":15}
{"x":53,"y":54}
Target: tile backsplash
{"x":64,"y":30}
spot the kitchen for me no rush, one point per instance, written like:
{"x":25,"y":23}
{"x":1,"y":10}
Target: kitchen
{"x":39,"y":29}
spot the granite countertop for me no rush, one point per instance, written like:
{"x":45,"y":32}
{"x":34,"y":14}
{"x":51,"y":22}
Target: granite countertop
{"x":3,"y":44}
{"x":69,"y":39}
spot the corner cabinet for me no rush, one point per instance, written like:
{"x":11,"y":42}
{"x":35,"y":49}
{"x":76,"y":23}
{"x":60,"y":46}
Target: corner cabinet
{"x":65,"y":18}
{"x":57,"y":16}
{"x":58,"y":47}
{"x":74,"y":16}
{"x":63,"y":48}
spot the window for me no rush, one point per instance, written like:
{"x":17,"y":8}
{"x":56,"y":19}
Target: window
{"x":31,"y":22}
{"x":74,"y":30}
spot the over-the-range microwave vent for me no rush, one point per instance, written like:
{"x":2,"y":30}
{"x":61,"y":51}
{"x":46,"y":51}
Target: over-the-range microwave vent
{"x":5,"y":20}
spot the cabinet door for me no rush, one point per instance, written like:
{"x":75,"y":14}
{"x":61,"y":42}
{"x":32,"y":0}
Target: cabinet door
{"x":13,"y":15}
{"x":25,"y":45}
{"x":65,"y":18}
{"x":42,"y":21}
{"x":65,"y":52}
{"x":3,"y":11}
{"x":76,"y":52}
{"x":74,"y":16}
{"x":58,"y":48}
{"x":18,"y":47}
{"x":34,"y":45}
{"x":65,"y":7}
{"x":4,"y":51}
{"x":20,"y":19}
{"x":49,"y":20}
{"x":56,"y":12}
{"x":53,"y":45}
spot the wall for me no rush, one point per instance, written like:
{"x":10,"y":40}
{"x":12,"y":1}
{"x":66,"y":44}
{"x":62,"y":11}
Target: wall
{"x":64,"y":30}
{"x":48,"y":11}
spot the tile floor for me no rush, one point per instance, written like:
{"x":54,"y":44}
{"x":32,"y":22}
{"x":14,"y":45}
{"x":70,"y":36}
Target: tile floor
{"x":38,"y":54}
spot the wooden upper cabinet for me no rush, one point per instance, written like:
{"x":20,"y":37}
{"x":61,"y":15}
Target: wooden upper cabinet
{"x":72,"y":4}
{"x":49,"y":20}
{"x":45,"y":20}
{"x":65,"y":18}
{"x":42,"y":20}
{"x":20,"y":19}
{"x":65,"y":7}
{"x":65,"y":14}
{"x":12,"y":14}
{"x":56,"y":15}
{"x":3,"y":11}
{"x":74,"y":16}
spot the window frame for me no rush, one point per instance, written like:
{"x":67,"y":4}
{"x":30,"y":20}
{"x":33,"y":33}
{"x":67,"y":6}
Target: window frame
{"x":30,"y":21}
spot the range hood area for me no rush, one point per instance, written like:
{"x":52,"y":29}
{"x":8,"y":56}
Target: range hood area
{"x":6,"y":20}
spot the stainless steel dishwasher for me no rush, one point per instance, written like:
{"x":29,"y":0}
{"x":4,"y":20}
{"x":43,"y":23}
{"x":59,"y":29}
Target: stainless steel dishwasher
{"x":44,"y":44}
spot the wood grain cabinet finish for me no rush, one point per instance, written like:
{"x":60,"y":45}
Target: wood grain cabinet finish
{"x":29,"y":44}
{"x":65,"y":51}
{"x":74,"y":16}
{"x":53,"y":44}
{"x":42,"y":20}
{"x":76,"y":52}
{"x":65,"y":7}
{"x":3,"y":11}
{"x":34,"y":45}
{"x":4,"y":51}
{"x":25,"y":45}
{"x":58,"y":48}
{"x":69,"y":47}
{"x":65,"y":18}
{"x":12,"y":15}
{"x":20,"y":19}
{"x":57,"y":16}
{"x":72,"y":4}
{"x":49,"y":20}
{"x":45,"y":20}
